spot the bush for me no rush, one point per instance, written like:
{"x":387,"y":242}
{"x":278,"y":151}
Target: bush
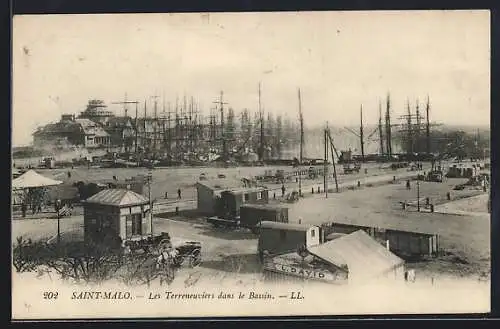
{"x":90,"y":262}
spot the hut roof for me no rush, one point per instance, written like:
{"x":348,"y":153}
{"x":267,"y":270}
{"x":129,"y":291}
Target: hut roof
{"x":285,"y":226}
{"x":221,"y":184}
{"x":117,"y":197}
{"x":363,"y":256}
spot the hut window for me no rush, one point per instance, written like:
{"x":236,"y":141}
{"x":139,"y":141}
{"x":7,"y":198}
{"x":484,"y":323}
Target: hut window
{"x":259,"y":195}
{"x":247,"y":197}
{"x":136,"y":224}
{"x":128,"y":226}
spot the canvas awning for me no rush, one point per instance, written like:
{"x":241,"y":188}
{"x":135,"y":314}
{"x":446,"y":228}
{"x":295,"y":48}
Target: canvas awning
{"x":363,"y":256}
{"x":32,"y":179}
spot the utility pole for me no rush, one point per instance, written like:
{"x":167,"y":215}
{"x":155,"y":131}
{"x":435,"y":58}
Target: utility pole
{"x":58,"y":208}
{"x":301,"y":118}
{"x":333,"y":151}
{"x":361,"y":136}
{"x":418,"y":193}
{"x":325,"y":167}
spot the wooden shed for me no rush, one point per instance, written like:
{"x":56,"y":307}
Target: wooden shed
{"x":116,"y":213}
{"x":279,"y":238}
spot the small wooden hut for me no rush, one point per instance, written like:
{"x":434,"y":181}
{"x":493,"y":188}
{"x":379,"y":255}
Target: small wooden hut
{"x":113,"y":213}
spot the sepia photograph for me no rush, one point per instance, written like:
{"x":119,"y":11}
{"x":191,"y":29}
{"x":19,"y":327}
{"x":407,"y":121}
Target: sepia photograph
{"x":250,"y":164}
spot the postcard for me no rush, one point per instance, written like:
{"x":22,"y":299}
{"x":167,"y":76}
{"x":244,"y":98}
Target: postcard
{"x":250,"y":164}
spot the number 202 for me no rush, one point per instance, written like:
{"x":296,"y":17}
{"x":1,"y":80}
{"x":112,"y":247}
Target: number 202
{"x":50,"y":295}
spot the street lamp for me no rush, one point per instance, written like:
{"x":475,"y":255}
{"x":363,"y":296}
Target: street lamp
{"x":58,"y":208}
{"x":418,"y":191}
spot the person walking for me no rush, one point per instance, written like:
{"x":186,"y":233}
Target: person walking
{"x":179,"y":193}
{"x":23,"y":209}
{"x":283,"y":189}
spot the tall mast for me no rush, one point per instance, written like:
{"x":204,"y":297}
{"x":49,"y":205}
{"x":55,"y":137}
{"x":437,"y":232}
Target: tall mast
{"x":224,"y":151}
{"x":361,"y":135}
{"x":427,"y":127}
{"x":388,"y":126}
{"x":169,"y":134}
{"x":223,"y":137}
{"x":419,"y":126}
{"x":125,"y":109}
{"x":135,"y":126}
{"x":145,"y":118}
{"x":155,"y":126}
{"x":261,"y":118}
{"x":380,"y":130}
{"x":177,"y":129}
{"x":410,"y":143}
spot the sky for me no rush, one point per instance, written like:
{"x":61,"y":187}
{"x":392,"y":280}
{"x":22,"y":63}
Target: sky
{"x":339,"y":60}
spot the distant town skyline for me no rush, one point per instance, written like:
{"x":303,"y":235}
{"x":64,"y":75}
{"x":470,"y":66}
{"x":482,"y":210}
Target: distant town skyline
{"x":339,"y":60}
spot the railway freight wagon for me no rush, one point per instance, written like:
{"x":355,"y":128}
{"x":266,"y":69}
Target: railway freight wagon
{"x":403,"y":243}
{"x":412,"y":244}
{"x":230,"y":202}
{"x":252,"y":214}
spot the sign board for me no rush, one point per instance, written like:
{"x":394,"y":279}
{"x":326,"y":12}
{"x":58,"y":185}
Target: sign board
{"x":301,"y":272}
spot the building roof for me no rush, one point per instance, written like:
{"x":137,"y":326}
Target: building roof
{"x":285,"y":226}
{"x":117,"y":197}
{"x":221,"y":184}
{"x":119,"y":121}
{"x":264,"y":206}
{"x":61,"y":127}
{"x":32,"y":179}
{"x":364,"y":257}
{"x":89,"y":127}
{"x":242,"y":190}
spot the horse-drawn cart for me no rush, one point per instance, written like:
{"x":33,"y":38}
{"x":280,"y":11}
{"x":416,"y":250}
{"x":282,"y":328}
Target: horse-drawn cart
{"x":163,"y":245}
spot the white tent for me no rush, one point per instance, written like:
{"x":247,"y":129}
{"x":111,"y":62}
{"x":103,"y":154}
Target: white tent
{"x":32,"y":179}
